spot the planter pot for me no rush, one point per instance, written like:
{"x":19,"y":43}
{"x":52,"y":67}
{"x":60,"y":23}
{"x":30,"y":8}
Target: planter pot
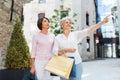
{"x":12,"y":74}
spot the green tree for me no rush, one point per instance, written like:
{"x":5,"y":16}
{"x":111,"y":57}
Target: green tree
{"x":18,"y":55}
{"x":55,"y":21}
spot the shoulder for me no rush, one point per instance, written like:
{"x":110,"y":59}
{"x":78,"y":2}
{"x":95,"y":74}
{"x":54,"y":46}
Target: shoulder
{"x":59,"y":35}
{"x":36,"y":34}
{"x":34,"y":37}
{"x":52,"y":35}
{"x":58,"y":38}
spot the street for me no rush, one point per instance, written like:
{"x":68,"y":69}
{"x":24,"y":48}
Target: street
{"x":105,"y":69}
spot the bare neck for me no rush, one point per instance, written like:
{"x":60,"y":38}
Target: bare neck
{"x":66,"y":33}
{"x":44,"y":31}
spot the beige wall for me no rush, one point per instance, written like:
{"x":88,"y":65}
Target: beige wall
{"x":81,"y":7}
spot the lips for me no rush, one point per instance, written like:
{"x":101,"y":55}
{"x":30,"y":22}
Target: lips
{"x":68,"y":26}
{"x":47,"y":24}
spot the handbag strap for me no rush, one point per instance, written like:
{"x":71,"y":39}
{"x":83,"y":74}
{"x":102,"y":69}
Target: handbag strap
{"x":64,"y":53}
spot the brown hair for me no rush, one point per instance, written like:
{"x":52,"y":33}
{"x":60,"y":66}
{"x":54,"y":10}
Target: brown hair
{"x":39,"y":22}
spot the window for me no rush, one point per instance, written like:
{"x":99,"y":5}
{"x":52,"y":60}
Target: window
{"x":41,"y":15}
{"x":12,"y":10}
{"x":42,"y":1}
{"x":87,"y":18}
{"x":88,"y":43}
{"x":22,"y":17}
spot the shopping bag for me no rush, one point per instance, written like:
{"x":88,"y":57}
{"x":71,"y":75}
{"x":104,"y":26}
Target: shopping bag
{"x":73,"y":71}
{"x":60,"y":66}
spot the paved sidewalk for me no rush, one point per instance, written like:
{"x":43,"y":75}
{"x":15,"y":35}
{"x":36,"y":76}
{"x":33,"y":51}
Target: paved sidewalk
{"x":106,"y":69}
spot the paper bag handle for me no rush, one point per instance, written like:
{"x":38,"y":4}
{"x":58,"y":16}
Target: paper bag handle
{"x":64,"y":53}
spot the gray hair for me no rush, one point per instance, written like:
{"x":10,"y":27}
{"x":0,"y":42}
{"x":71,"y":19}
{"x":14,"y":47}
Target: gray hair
{"x":63,"y":20}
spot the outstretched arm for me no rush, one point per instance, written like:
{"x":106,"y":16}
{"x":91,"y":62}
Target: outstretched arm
{"x":96,"y":26}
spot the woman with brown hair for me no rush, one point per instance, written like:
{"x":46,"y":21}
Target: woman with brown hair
{"x":41,"y":53}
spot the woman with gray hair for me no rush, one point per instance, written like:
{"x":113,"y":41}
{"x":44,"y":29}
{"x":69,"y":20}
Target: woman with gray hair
{"x":67,"y":43}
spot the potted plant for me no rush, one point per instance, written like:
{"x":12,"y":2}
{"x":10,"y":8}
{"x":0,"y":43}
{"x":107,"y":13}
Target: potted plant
{"x":17,"y":56}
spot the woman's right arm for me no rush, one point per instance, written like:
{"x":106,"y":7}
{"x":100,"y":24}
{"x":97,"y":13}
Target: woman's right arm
{"x":33,"y":53}
{"x":32,"y":70}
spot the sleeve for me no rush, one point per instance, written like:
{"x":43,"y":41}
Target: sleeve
{"x":79,"y":35}
{"x":34,"y":47}
{"x":55,"y":47}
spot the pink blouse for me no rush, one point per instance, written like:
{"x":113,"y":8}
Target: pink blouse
{"x":42,"y":45}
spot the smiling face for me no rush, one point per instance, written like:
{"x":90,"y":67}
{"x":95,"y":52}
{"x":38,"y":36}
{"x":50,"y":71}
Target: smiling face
{"x":66,"y":25}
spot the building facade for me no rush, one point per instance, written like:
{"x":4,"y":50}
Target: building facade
{"x":109,"y":30}
{"x":8,"y":10}
{"x":118,"y":29}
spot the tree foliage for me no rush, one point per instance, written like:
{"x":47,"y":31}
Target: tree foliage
{"x":18,"y":55}
{"x":55,"y":21}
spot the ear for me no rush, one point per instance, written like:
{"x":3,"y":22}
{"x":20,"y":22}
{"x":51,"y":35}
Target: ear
{"x":62,"y":27}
